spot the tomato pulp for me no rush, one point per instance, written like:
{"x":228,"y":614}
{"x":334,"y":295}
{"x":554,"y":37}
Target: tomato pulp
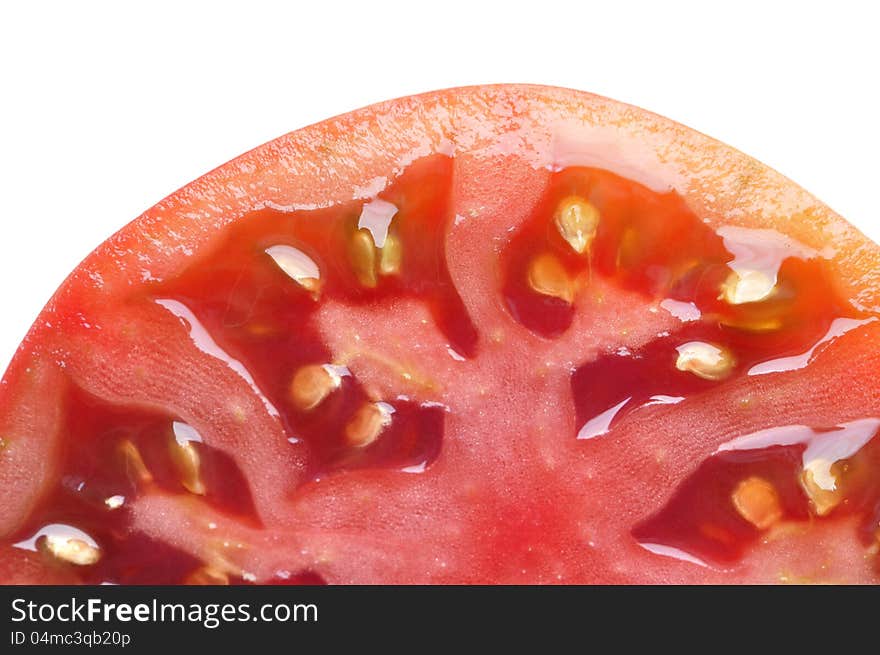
{"x":511,"y":354}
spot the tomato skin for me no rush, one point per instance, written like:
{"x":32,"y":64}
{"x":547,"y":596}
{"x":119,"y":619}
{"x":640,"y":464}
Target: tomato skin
{"x":554,"y":125}
{"x":504,"y":139}
{"x":28,"y":456}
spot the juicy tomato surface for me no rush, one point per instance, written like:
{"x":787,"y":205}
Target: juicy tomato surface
{"x":502,"y":334}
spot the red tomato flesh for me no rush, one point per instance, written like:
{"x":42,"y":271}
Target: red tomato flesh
{"x":481,"y":370}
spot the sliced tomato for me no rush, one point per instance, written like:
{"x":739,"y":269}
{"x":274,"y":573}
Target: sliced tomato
{"x":504,"y":334}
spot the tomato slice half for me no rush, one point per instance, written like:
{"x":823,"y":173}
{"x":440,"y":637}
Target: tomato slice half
{"x":502,"y":334}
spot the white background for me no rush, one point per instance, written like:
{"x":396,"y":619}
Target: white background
{"x":106,"y":107}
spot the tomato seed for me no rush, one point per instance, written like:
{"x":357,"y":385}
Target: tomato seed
{"x":705,"y":360}
{"x":368,"y":423}
{"x":187,"y":462}
{"x":298,"y":266}
{"x":206,"y":575}
{"x":133,"y":463}
{"x":362,"y":253}
{"x":756,"y":500}
{"x":548,"y":277}
{"x":312,"y":384}
{"x":71,"y":550}
{"x":747,"y":286}
{"x":577,"y":221}
{"x":391,"y":257}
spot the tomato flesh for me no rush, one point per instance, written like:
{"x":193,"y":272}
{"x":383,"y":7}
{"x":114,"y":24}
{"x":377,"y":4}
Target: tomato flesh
{"x":291,"y":301}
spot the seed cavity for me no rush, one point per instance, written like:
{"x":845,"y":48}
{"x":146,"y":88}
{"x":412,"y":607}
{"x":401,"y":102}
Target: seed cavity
{"x":186,"y":458}
{"x":547,"y":276}
{"x":756,"y":500}
{"x":298,"y":266}
{"x":705,"y":360}
{"x":834,"y":462}
{"x":133,"y":462}
{"x":312,"y":384}
{"x":747,"y":286}
{"x":368,"y":423}
{"x":577,"y":221}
